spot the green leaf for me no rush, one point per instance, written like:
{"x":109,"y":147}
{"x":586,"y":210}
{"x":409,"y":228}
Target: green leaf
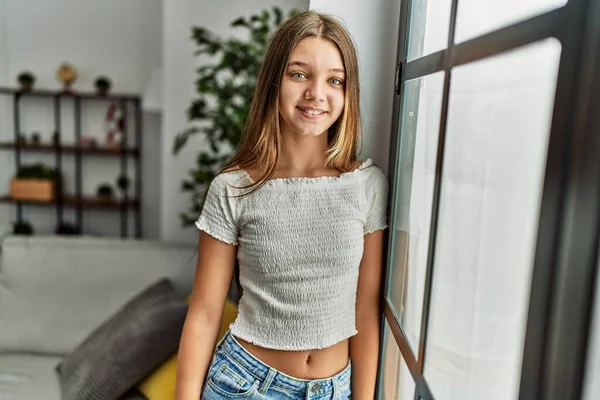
{"x":206,"y":160}
{"x":278,"y":15}
{"x":187,"y":186}
{"x":187,"y":220}
{"x":182,"y":138}
{"x":239,"y":22}
{"x":197,"y":110}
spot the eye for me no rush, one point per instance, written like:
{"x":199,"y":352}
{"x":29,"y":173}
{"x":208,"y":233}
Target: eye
{"x":298,"y":75}
{"x":336,"y":81}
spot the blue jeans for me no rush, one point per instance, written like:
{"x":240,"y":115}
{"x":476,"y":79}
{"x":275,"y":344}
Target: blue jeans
{"x":234,"y":373}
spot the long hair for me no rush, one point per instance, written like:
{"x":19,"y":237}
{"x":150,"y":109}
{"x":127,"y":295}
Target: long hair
{"x":261,"y":140}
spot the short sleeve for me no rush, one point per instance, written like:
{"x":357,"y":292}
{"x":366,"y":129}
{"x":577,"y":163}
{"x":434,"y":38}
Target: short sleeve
{"x":218,"y":217}
{"x":376,"y":187}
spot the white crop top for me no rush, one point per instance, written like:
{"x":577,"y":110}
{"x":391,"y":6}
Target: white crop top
{"x":300,"y":243}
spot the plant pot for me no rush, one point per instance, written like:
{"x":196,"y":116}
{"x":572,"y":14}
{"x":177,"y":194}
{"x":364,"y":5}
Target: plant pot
{"x":26,"y":86}
{"x":103,"y":85}
{"x":102,"y":90}
{"x":26,"y":81}
{"x":23,"y":228}
{"x":42,"y":190}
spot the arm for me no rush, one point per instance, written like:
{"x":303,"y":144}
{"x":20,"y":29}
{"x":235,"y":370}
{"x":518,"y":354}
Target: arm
{"x":364,"y":346}
{"x":214,"y":271}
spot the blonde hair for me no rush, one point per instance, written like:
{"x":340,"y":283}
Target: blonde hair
{"x":261,"y":140}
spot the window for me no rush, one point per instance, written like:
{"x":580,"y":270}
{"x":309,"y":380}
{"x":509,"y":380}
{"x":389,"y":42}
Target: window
{"x":592,"y":384}
{"x":490,"y":214}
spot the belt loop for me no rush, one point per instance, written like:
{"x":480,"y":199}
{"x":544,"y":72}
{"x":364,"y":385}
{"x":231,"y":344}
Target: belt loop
{"x":268,"y":380}
{"x":336,"y":389}
{"x":220,"y":342}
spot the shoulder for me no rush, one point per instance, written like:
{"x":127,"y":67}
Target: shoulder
{"x":372,"y":175}
{"x":230,"y":179}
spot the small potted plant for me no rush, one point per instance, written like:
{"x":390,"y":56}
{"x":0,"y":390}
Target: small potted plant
{"x":56,"y":139}
{"x":22,"y":228}
{"x":123,"y":183}
{"x":26,"y":80}
{"x":22,"y":139}
{"x":35,"y":138}
{"x":105,"y":192}
{"x":103,"y":85}
{"x":36,"y":182}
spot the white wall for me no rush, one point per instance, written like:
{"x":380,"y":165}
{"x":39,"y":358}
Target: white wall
{"x":178,"y":91}
{"x":374,"y":27}
{"x":121,"y":39}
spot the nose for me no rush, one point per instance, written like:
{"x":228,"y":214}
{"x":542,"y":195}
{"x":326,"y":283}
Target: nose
{"x":315,"y":91}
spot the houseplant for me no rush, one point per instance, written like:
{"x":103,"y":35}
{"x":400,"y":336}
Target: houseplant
{"x":26,"y":80}
{"x":36,"y":182}
{"x":22,"y":228}
{"x":102,"y":84}
{"x":105,"y":192}
{"x":123,"y":183}
{"x":225,"y":89}
{"x":35,"y":138}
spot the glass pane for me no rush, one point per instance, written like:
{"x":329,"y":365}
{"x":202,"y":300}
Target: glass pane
{"x":397,"y":383}
{"x":428,"y":27}
{"x":495,"y":155}
{"x":591,"y":388}
{"x":477,"y":17}
{"x":417,"y":154}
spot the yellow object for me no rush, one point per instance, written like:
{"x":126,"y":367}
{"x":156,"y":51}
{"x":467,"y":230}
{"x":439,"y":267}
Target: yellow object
{"x":160,"y":385}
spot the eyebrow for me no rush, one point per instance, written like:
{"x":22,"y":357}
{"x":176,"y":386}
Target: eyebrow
{"x":303,"y":64}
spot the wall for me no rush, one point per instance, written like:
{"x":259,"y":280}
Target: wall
{"x":112,"y":37}
{"x":374,"y":27}
{"x":178,"y":91}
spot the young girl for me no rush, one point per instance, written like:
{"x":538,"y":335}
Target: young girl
{"x":304,"y":219}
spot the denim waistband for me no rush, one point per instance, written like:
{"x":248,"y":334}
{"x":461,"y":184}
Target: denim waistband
{"x":272,"y":377}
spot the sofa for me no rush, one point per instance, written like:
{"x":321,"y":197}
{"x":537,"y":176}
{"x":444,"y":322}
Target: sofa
{"x":56,"y":290}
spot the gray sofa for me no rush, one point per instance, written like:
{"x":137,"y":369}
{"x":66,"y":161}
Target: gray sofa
{"x":54,"y":291}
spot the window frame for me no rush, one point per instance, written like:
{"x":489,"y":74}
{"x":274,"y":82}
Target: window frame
{"x":566,"y":254}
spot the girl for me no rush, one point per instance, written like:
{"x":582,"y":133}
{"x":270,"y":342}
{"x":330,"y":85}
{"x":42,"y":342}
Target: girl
{"x":304,"y":219}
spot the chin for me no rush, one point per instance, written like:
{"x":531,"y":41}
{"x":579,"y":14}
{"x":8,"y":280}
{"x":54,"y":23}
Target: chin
{"x":311,"y":132}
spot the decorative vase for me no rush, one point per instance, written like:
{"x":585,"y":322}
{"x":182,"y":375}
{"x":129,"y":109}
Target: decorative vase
{"x":66,"y":74}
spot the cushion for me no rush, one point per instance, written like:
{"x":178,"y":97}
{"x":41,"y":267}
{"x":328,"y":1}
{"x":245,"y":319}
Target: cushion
{"x":28,"y":377}
{"x":126,"y":347}
{"x":160,"y":384}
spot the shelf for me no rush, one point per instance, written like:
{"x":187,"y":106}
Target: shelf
{"x":84,"y":202}
{"x":72,"y":149}
{"x":71,"y":94}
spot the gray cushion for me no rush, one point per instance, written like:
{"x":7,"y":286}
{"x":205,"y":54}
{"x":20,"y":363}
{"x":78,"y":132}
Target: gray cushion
{"x":125,"y":348}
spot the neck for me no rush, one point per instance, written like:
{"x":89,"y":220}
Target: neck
{"x":302,"y":154}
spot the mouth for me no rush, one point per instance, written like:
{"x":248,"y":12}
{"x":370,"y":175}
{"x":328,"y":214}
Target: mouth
{"x":310,"y":112}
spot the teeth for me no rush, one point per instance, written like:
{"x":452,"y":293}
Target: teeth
{"x":312,"y":112}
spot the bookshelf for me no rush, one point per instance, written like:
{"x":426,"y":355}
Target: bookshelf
{"x":130,"y":203}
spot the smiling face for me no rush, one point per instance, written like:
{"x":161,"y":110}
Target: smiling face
{"x":311,"y":97}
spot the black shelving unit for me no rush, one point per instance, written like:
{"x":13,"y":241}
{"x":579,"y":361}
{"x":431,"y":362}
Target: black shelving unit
{"x":129,"y":149}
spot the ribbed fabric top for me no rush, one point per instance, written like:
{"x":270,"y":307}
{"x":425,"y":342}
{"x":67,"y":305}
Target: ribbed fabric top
{"x":300,"y":244}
